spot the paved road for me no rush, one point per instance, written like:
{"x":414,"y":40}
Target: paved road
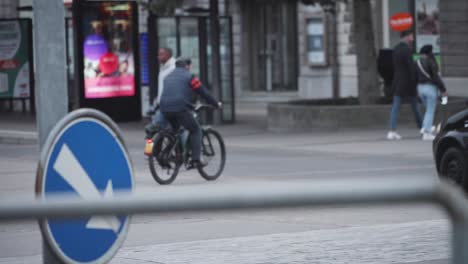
{"x":390,"y":234}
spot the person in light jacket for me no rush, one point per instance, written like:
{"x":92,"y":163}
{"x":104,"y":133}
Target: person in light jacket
{"x":167,"y":65}
{"x":429,"y":83}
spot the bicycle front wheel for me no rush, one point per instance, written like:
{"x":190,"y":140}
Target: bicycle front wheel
{"x":164,"y":163}
{"x":214,"y":153}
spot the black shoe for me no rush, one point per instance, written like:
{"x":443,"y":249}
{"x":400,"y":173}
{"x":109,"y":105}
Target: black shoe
{"x":150,"y":112}
{"x":198,"y":164}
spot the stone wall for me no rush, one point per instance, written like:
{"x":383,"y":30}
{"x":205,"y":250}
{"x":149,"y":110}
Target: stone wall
{"x":8,"y":8}
{"x":283,"y":117}
{"x":454,"y":45}
{"x":454,"y":37}
{"x":234,"y":10}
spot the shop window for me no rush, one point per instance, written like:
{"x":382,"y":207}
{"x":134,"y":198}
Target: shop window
{"x":394,"y":7}
{"x":427,"y":24}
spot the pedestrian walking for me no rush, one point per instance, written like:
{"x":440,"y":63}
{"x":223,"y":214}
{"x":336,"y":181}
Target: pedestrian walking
{"x":404,"y":82}
{"x":429,"y":85}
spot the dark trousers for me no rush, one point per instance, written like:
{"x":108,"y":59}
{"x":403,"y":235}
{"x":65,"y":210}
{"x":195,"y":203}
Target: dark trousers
{"x":187,"y":120}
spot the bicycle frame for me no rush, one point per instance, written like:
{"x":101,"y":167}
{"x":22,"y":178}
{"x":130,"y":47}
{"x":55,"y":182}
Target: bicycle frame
{"x":184,"y":143}
{"x":171,"y":150}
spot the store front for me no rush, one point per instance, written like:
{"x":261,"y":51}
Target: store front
{"x":426,"y":22}
{"x":441,"y":24}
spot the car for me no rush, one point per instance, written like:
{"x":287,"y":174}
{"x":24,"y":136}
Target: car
{"x":450,"y":149}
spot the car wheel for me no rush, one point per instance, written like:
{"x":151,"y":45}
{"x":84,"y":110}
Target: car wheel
{"x":453,"y":167}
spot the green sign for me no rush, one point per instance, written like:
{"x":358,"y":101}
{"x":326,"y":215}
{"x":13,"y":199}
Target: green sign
{"x":15,"y":58}
{"x":437,"y":57}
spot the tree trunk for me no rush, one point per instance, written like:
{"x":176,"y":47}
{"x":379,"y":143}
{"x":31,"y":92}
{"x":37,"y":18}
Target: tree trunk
{"x":368,"y":88}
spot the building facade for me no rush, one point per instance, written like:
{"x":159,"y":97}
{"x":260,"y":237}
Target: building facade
{"x":284,"y":50}
{"x":454,"y":43}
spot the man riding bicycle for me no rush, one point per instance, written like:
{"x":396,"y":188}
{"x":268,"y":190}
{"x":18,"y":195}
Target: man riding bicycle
{"x":177,"y":99}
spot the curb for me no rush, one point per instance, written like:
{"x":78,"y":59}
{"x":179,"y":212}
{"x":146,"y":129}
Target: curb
{"x":18,"y":137}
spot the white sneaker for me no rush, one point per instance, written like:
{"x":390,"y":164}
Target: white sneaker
{"x":393,"y":136}
{"x":428,"y":136}
{"x":422,"y":131}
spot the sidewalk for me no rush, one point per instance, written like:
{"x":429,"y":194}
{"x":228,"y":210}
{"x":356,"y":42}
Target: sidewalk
{"x":18,"y":128}
{"x":251,"y":121}
{"x":21,"y":128}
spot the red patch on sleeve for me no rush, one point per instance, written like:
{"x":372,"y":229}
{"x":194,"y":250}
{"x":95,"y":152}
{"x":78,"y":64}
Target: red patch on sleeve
{"x":195,"y":83}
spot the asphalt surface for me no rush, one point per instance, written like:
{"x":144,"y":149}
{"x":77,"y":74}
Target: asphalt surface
{"x":402,"y":233}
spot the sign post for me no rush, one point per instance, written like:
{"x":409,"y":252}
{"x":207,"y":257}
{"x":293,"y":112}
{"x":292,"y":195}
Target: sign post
{"x":215,"y":57}
{"x":84,"y":156}
{"x":51,"y":74}
{"x":51,"y":77}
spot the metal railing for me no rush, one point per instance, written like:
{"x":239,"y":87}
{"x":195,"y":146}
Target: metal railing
{"x":271,"y":195}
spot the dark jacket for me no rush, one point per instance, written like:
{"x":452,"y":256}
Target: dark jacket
{"x":405,"y":78}
{"x":180,"y":90}
{"x":430,"y":67}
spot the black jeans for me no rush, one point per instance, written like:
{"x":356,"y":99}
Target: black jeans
{"x":187,"y":120}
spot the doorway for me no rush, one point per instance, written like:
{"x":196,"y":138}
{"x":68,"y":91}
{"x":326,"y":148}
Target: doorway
{"x":272,"y":31}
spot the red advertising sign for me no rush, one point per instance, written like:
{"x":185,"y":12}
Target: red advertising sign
{"x":9,"y":64}
{"x":108,"y":63}
{"x":401,"y":21}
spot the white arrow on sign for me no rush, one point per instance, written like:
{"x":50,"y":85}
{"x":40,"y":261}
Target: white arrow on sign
{"x":71,"y":170}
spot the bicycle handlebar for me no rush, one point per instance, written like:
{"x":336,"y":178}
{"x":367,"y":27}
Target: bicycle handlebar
{"x":199,"y":107}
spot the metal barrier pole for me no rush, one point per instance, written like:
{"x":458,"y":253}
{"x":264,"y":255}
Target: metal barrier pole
{"x":272,"y":195}
{"x":228,"y":197}
{"x":456,"y":205}
{"x":459,"y":242}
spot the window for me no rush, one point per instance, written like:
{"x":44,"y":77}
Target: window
{"x":427,"y":24}
{"x":316,"y":46}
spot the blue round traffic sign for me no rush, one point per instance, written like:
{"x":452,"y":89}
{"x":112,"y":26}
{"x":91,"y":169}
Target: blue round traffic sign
{"x":85,"y":158}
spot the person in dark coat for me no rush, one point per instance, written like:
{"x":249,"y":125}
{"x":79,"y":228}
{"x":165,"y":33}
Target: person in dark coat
{"x":177,"y":99}
{"x":404,"y":82}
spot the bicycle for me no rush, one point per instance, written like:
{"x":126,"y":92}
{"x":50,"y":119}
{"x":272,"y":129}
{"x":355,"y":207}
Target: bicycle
{"x":168,"y":151}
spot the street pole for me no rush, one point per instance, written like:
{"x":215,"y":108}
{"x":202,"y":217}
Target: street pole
{"x":51,"y":77}
{"x":51,"y":80}
{"x":153,"y":63}
{"x":331,"y":13}
{"x":215,"y":57}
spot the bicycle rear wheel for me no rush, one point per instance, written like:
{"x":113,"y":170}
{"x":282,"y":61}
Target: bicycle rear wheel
{"x":214,"y":153}
{"x":165,"y":161}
